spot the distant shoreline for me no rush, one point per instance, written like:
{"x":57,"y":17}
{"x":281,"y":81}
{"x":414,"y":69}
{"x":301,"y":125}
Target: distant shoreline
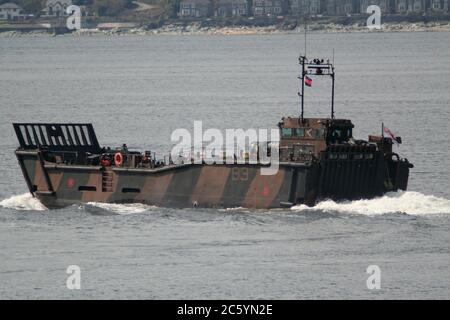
{"x":238,"y":30}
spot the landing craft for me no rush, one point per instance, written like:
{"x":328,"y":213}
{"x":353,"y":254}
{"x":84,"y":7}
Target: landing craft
{"x":63,"y":164}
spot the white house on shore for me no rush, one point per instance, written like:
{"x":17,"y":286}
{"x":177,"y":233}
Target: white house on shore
{"x":11,"y":11}
{"x":56,"y":8}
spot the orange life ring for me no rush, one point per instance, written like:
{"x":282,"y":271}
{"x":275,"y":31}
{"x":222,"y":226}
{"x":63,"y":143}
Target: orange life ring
{"x":118,"y":159}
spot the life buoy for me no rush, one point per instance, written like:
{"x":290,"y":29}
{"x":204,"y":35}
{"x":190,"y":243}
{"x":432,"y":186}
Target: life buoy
{"x":118,"y":159}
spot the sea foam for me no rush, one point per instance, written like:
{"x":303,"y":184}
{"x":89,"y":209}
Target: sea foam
{"x":408,"y":202}
{"x":22,"y":202}
{"x":122,"y":209}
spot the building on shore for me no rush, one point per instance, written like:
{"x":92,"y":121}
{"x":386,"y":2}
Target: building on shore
{"x":420,"y":6}
{"x":55,"y":8}
{"x":269,"y":7}
{"x":232,"y":8}
{"x":439,"y":6}
{"x":258,"y":8}
{"x":305,"y":7}
{"x":383,"y":4}
{"x":195,"y":8}
{"x":347,"y":7}
{"x":329,"y":7}
{"x":410,"y":6}
{"x":338,"y":7}
{"x":11,"y":12}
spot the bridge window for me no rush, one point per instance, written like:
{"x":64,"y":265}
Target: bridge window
{"x":286,"y":132}
{"x":338,"y":135}
{"x":333,"y":156}
{"x":299,"y":132}
{"x":318,"y":133}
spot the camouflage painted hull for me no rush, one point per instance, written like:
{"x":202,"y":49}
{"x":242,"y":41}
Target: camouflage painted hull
{"x":217,"y":186}
{"x":172,"y":186}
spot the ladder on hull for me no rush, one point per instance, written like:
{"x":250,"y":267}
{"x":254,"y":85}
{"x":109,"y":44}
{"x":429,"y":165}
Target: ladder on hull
{"x":107,"y":180}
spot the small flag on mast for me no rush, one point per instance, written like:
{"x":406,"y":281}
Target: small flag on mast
{"x":308,"y":81}
{"x":388,"y":133}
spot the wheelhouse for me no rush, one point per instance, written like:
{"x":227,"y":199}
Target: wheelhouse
{"x":304,"y":139}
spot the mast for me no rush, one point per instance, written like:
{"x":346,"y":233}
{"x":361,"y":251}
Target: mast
{"x":332,"y":91}
{"x":302,"y":60}
{"x":315,"y":67}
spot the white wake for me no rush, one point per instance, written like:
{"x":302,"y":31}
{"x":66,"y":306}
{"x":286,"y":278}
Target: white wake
{"x":409,"y":202}
{"x":23,"y":202}
{"x":123,"y":209}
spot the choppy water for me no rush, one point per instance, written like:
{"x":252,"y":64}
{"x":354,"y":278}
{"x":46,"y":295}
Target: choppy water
{"x":138,"y":89}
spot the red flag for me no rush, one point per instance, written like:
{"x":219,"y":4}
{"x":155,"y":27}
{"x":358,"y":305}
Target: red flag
{"x":390,"y":135}
{"x":308,"y":81}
